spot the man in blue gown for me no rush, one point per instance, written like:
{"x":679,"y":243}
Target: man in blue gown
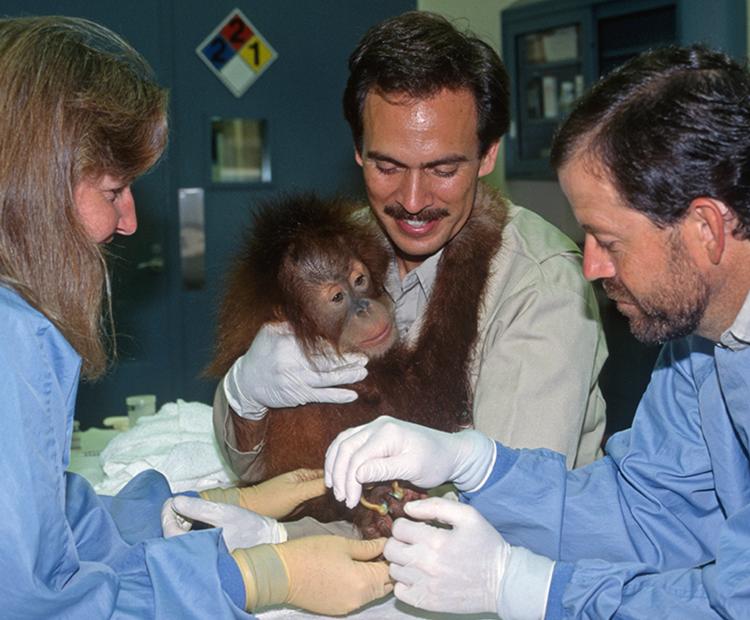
{"x":655,"y":162}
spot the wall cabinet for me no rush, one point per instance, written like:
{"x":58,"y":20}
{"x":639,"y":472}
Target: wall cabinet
{"x":555,"y":49}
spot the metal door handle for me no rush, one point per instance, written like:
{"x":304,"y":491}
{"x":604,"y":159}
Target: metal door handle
{"x":155,"y":264}
{"x":192,"y":237}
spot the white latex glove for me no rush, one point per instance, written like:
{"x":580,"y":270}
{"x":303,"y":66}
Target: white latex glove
{"x":467,"y":569}
{"x":275,"y":373}
{"x":390,"y":449}
{"x":241,"y":528}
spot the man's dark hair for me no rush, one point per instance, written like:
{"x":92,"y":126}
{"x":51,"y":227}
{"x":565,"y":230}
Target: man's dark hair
{"x":419,"y":54}
{"x":669,"y":126}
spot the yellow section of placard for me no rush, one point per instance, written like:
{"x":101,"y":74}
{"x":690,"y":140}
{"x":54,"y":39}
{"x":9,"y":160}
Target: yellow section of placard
{"x":256,"y":53}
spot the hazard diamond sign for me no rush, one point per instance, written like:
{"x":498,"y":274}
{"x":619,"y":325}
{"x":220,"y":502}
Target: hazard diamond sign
{"x":236,"y":52}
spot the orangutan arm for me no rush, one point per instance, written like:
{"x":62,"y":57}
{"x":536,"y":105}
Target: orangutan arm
{"x":231,"y":431}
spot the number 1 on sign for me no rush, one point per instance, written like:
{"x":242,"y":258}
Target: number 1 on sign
{"x":255,"y":47}
{"x":255,"y":53}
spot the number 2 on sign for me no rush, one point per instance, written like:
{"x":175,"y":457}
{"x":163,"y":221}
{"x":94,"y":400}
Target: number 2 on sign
{"x":218,"y":52}
{"x":237,"y":31}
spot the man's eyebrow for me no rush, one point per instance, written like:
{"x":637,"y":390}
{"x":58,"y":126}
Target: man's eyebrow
{"x":446,"y":161}
{"x":596,"y":230}
{"x":587,"y":228}
{"x":443,"y":161}
{"x":378,"y":156}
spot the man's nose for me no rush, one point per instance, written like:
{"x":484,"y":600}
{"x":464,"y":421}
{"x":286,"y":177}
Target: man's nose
{"x":415,"y":190}
{"x":596,"y":260}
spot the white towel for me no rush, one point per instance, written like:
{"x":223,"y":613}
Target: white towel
{"x":385,"y":609}
{"x":178,"y":441}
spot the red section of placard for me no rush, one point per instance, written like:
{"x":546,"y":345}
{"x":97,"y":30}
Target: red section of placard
{"x":236,"y":32}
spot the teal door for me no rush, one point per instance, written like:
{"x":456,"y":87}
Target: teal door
{"x":164,"y":314}
{"x":307,"y":142}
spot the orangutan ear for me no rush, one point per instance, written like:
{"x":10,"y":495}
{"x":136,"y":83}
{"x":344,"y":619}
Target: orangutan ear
{"x":710,"y":221}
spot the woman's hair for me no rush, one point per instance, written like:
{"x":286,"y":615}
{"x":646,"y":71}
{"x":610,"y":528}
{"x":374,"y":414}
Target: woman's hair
{"x":76,"y":102}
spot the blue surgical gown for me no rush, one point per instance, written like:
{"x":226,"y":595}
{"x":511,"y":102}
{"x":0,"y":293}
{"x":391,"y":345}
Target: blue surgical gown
{"x":660,"y":528}
{"x":64,"y":551}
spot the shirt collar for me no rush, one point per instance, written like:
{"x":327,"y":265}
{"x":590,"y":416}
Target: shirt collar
{"x":423,"y":275}
{"x":737,"y":337}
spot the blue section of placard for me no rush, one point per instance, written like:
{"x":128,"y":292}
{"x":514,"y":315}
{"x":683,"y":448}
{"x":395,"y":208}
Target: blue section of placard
{"x":218,"y":52}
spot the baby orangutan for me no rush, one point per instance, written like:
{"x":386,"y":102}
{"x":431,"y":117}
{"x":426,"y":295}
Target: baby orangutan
{"x":320,"y":266}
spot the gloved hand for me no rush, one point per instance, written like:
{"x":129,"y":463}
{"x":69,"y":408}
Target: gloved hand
{"x":389,"y":449}
{"x":276,"y":497}
{"x":240,"y":527}
{"x":467,"y":569}
{"x":323,"y":574}
{"x":275,"y":373}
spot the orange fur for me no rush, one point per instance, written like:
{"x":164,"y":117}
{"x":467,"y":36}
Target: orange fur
{"x":426,"y":383}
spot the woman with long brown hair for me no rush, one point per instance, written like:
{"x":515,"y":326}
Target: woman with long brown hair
{"x":81,"y":117}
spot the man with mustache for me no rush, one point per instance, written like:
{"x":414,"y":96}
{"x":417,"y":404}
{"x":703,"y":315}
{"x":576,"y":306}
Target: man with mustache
{"x":427,"y":106}
{"x":655,"y":162}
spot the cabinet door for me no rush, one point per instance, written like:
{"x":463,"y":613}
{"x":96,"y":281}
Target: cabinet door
{"x":556,"y":48}
{"x":550,"y":65}
{"x":626,"y":28}
{"x":720,"y":24}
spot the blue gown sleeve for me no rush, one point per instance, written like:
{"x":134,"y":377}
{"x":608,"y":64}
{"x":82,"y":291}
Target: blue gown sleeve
{"x":635,"y":534}
{"x":64,"y":551}
{"x":716,"y":589}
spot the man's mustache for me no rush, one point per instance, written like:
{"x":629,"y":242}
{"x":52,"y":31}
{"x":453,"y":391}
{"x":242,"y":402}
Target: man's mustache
{"x":427,"y":215}
{"x":615,"y":290}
